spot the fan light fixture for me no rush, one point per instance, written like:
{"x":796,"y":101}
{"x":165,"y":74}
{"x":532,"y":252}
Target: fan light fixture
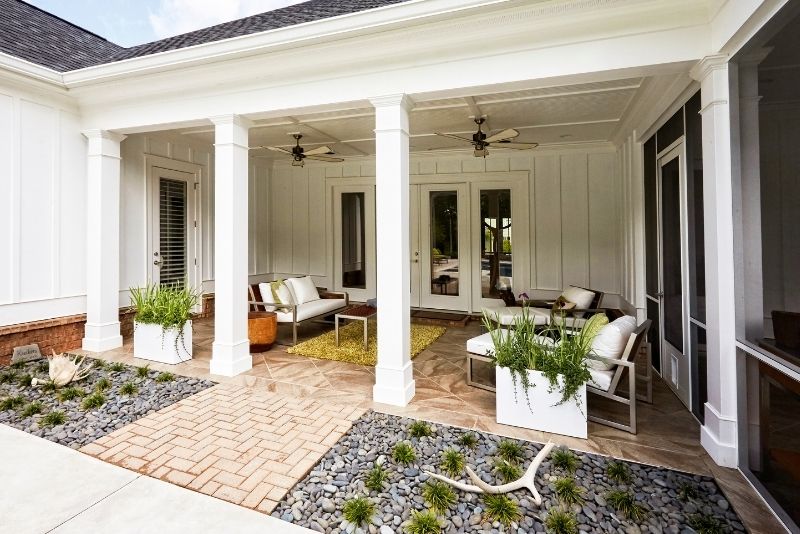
{"x":299,"y":155}
{"x":481,"y":142}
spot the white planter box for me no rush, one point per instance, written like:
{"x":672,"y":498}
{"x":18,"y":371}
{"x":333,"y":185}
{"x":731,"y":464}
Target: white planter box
{"x":151,"y":342}
{"x":567,"y":419}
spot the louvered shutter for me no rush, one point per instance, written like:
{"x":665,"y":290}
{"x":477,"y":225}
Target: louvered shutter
{"x":172,"y":222}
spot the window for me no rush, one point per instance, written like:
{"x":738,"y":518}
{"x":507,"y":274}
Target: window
{"x":496,"y":244}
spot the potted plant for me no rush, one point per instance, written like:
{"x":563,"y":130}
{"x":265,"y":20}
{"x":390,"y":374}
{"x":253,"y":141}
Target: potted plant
{"x":162,"y":324}
{"x":541,"y":377}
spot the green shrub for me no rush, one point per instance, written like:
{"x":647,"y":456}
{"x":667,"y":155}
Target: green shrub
{"x":359,"y":511}
{"x":687,"y":491}
{"x":439,"y":496}
{"x":506,"y":470}
{"x":510,"y":451}
{"x":560,"y":521}
{"x":468,"y":440}
{"x":18,"y":365}
{"x":32,"y":408}
{"x":500,"y":507}
{"x":625,"y":503}
{"x":419,"y":429}
{"x":117,"y":367}
{"x":169,"y":306}
{"x":376,"y":478}
{"x":403,"y":453}
{"x":54,"y":418}
{"x":49,"y":387}
{"x":143,"y":372}
{"x":25,"y":380}
{"x":70,"y":393}
{"x":99,"y":364}
{"x":6,"y":377}
{"x":165,"y":377}
{"x":129,"y":389}
{"x":452,"y":462}
{"x":423,"y":523}
{"x":565,"y":459}
{"x":93,"y":401}
{"x":43,"y":366}
{"x":11,"y":403}
{"x":103,"y":384}
{"x":618,"y":472}
{"x":706,"y":524}
{"x":568,"y":491}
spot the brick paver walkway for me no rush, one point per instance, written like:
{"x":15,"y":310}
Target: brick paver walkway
{"x":245,"y":446}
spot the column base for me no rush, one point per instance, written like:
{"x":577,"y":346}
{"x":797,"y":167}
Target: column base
{"x":395,"y":386}
{"x":231,"y":360}
{"x":102,"y":337}
{"x":718,"y":438}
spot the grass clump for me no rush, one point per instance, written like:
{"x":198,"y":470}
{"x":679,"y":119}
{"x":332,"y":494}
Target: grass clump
{"x":618,"y":472}
{"x":420,"y":429}
{"x":10,"y":403}
{"x":18,"y":365}
{"x":70,"y":393}
{"x":376,"y":478}
{"x":6,"y":377}
{"x":510,"y":451}
{"x":687,"y":491}
{"x":560,"y":521}
{"x":49,"y":387}
{"x":501,"y":508}
{"x":32,"y":408}
{"x":54,"y":418}
{"x":25,"y":380}
{"x":143,"y":372}
{"x":169,"y":306}
{"x":706,"y":524}
{"x":103,"y":384}
{"x":129,"y":389}
{"x":506,"y":470}
{"x":568,"y":491}
{"x":403,"y":453}
{"x":566,"y":460}
{"x":439,"y":496}
{"x":95,"y":400}
{"x":452,"y":462}
{"x":625,"y":503}
{"x":99,"y":364}
{"x":165,"y":377}
{"x":43,"y":366}
{"x":423,"y":523}
{"x":116,"y":367}
{"x":468,"y":440}
{"x":359,"y":511}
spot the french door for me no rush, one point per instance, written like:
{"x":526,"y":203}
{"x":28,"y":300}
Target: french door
{"x":354,"y":241}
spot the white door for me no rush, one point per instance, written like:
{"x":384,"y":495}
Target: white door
{"x":674,"y":295}
{"x":173,"y":238}
{"x":354,"y":241}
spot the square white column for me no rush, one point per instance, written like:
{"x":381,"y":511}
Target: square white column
{"x":102,"y":330}
{"x":718,"y":434}
{"x":231,"y":349}
{"x":394,"y":380}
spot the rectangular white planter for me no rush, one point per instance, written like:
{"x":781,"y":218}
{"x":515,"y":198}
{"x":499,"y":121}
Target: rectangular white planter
{"x":567,"y":419}
{"x":152,"y":342}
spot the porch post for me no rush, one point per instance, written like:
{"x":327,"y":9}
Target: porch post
{"x":102,"y":331}
{"x":718,"y":434}
{"x":231,"y":349}
{"x":394,"y":380}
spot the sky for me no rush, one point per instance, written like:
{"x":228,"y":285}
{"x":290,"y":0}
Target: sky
{"x":132,"y":22}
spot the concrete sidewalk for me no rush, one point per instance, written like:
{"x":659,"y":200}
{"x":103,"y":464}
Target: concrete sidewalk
{"x":49,"y":488}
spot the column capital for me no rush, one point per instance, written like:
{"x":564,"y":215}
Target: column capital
{"x":97,"y":133}
{"x":399,"y":99}
{"x":231,"y":118}
{"x":708,"y":65}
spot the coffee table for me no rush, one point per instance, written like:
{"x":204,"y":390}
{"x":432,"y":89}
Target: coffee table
{"x":361,"y":313}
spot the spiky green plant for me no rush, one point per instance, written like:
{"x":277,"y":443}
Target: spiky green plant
{"x":70,"y":393}
{"x":453,"y":462}
{"x":18,"y":365}
{"x":11,"y":403}
{"x":129,"y":389}
{"x":561,"y":521}
{"x":93,"y":401}
{"x":6,"y":377}
{"x":439,"y":496}
{"x":165,"y":377}
{"x":376,"y":478}
{"x":706,"y":524}
{"x":117,"y":367}
{"x":167,"y":305}
{"x":468,"y":440}
{"x":359,"y":511}
{"x":687,"y":491}
{"x":510,"y":451}
{"x":618,"y":472}
{"x":25,"y":380}
{"x":99,"y":364}
{"x":568,"y":491}
{"x":500,"y":507}
{"x":43,"y":366}
{"x":102,"y":385}
{"x":566,"y":460}
{"x":49,"y":387}
{"x":143,"y":372}
{"x":54,"y":418}
{"x":419,"y":429}
{"x":32,"y":408}
{"x":403,"y":453}
{"x":625,"y":503}
{"x":506,"y":470}
{"x":423,"y":523}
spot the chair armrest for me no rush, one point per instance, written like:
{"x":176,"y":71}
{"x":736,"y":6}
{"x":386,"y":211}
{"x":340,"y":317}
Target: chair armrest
{"x":286,"y":307}
{"x":323,"y":294}
{"x":612,"y":361}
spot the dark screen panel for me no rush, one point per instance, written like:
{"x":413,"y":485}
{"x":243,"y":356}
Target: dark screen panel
{"x":651,"y":217}
{"x":694,"y":168}
{"x":654,"y":335}
{"x":671,"y":131}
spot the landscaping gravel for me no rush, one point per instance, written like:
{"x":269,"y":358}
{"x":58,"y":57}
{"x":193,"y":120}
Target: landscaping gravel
{"x":316,"y":501}
{"x":84,"y":426}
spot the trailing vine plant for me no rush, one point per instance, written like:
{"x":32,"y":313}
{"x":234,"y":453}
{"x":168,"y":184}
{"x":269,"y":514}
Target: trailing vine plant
{"x":169,"y":306}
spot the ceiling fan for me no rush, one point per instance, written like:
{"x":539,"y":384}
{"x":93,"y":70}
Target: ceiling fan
{"x":500,"y":140}
{"x":300,"y":155}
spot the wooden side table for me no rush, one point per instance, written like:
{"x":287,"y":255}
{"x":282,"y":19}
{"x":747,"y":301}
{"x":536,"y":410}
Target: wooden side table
{"x":358,"y":313}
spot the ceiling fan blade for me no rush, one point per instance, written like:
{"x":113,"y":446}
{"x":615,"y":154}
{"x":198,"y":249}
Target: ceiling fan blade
{"x":277,"y":149}
{"x":515,"y":146}
{"x":319,"y":150}
{"x":451,"y":136}
{"x":505,"y":134}
{"x":325,"y":158}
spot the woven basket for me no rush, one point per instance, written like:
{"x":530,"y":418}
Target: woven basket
{"x":262,"y":328}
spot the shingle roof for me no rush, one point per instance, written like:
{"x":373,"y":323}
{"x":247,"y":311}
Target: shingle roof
{"x":37,"y":36}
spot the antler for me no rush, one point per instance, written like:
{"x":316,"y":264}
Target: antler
{"x":527,"y":480}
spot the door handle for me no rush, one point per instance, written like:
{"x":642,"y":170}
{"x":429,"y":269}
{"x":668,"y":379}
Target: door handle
{"x":156,"y":262}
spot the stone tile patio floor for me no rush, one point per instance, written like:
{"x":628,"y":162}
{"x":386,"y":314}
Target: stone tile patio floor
{"x":668,"y":434}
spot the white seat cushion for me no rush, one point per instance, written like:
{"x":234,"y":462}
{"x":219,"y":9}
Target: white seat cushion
{"x":312,"y":309}
{"x":600,"y":379}
{"x":611,"y":340}
{"x":303,"y":289}
{"x":507,"y":316}
{"x":483,"y":345}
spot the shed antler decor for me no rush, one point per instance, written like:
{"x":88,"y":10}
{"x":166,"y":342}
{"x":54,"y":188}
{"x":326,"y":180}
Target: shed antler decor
{"x":63,"y":369}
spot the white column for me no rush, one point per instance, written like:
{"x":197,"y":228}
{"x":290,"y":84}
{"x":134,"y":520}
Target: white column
{"x":718,"y":434}
{"x":394,"y":381}
{"x":102,"y":246}
{"x":231,"y":350}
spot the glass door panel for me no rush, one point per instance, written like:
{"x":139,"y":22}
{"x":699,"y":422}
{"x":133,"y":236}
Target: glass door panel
{"x":496,"y":243}
{"x":354,"y":260}
{"x":444,"y":268}
{"x":354,"y":241}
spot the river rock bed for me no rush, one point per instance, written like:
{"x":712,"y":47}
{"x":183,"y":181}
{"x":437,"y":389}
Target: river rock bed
{"x":316,"y":501}
{"x":84,"y":426}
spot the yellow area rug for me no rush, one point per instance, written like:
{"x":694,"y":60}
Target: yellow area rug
{"x":351,"y":343}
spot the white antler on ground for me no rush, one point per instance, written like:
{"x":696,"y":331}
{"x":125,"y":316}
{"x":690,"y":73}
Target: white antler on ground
{"x":527,"y":480}
{"x":64,"y":369}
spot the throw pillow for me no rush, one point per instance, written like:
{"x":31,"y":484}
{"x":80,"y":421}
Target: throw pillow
{"x":304,"y":289}
{"x":593,"y":325}
{"x":610,"y":342}
{"x":581,"y":297}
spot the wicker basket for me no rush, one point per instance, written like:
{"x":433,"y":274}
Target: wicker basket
{"x":262,"y":328}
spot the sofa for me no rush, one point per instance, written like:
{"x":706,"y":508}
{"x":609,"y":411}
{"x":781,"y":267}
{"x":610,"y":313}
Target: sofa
{"x":296,"y":301}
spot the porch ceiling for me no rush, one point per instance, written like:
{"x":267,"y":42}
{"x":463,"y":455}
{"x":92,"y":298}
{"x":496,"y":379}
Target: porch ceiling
{"x":583,"y":113}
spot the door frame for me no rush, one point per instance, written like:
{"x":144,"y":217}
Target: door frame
{"x":370,"y":245}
